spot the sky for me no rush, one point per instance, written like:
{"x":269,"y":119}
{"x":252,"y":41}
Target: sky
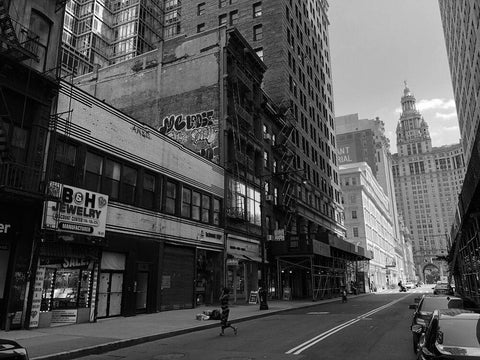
{"x":376,"y":45}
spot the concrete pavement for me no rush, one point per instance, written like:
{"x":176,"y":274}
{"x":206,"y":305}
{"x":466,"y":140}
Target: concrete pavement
{"x":71,"y":341}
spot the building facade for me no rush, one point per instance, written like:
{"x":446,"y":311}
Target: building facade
{"x":246,"y":133}
{"x":369,"y":223}
{"x":461,"y":26}
{"x":100,"y":33}
{"x":29,"y":43}
{"x":427,"y":183}
{"x":364,"y":140}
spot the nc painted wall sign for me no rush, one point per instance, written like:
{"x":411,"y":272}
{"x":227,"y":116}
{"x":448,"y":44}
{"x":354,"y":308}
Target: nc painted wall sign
{"x":197,"y":132}
{"x":76,"y":211}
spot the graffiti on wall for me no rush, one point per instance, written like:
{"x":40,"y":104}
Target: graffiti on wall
{"x":197,"y":132}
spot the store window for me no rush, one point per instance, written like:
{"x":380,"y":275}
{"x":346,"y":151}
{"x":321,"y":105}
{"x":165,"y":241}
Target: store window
{"x":66,"y":289}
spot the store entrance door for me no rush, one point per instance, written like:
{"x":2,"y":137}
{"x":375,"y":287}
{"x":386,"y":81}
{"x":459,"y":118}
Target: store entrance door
{"x":141,"y":291}
{"x":110,"y":294}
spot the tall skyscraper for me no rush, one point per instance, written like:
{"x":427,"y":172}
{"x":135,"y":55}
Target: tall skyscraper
{"x":291,"y":36}
{"x":364,"y":140}
{"x":461,"y":26}
{"x":101,"y":33}
{"x":427,"y":182}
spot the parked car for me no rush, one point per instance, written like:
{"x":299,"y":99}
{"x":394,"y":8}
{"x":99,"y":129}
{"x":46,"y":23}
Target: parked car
{"x":11,"y":350}
{"x":409,"y":285}
{"x":424,"y":310}
{"x":443,"y":288}
{"x":451,"y":334}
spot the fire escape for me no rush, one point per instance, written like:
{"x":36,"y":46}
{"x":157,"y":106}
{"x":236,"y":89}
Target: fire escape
{"x":241,"y":137}
{"x":17,"y":44}
{"x":287,"y":175}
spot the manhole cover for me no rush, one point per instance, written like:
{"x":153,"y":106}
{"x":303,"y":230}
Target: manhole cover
{"x":169,"y":356}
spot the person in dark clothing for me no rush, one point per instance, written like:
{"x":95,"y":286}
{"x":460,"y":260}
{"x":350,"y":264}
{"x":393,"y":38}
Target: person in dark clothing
{"x":224,"y":298}
{"x":344,"y":294}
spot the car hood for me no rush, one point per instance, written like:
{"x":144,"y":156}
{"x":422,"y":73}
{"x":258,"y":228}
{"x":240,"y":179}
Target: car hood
{"x":455,"y":352}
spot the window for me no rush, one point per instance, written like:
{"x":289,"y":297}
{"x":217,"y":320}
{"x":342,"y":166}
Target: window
{"x":266,"y":159}
{"x":257,"y":33}
{"x":200,"y":9}
{"x":222,"y":20}
{"x":196,"y":202}
{"x":354,"y":214}
{"x":216,"y":212}
{"x":128,"y":184}
{"x":205,"y":209}
{"x":39,"y":26}
{"x":111,"y":179}
{"x":257,"y":9}
{"x":170,"y":197}
{"x":259,"y":52}
{"x":64,"y":167}
{"x":253,"y":206}
{"x":200,"y":27}
{"x":93,"y":172}
{"x":355,"y":232}
{"x":233,"y":18}
{"x":149,"y":188}
{"x":186,"y":203}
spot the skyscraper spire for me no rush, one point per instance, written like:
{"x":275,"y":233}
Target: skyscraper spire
{"x":412,"y":128}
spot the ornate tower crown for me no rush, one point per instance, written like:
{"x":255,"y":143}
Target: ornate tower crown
{"x":412,"y":128}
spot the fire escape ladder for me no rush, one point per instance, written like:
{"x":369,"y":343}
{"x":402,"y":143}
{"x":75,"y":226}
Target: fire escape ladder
{"x":16,"y":40}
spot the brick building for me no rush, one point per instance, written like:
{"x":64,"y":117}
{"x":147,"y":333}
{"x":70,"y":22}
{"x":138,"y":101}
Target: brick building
{"x":29,"y":43}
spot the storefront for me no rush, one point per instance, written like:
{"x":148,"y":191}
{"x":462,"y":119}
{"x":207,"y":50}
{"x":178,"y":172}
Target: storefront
{"x":65,"y":285}
{"x":243,"y":264}
{"x":16,"y":238}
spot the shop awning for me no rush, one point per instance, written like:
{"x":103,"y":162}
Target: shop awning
{"x":254,"y":258}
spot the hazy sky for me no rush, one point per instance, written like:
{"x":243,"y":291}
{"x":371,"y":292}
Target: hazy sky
{"x":375,"y":46}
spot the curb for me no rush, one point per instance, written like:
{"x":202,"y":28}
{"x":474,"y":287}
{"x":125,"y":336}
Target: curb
{"x":115,"y":345}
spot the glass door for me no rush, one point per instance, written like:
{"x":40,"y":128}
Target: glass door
{"x":141,"y":291}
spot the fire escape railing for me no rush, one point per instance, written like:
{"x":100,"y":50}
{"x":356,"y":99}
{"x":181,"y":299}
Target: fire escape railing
{"x":16,"y":40}
{"x":20,"y":178}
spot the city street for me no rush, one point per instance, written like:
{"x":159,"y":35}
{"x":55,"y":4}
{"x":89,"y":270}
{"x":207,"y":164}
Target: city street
{"x":367,"y":327}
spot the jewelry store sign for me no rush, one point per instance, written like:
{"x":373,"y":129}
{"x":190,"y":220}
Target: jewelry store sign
{"x":76,"y":210}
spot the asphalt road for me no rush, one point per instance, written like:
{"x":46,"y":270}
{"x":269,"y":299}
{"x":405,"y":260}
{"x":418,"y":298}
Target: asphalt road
{"x":369,"y":327}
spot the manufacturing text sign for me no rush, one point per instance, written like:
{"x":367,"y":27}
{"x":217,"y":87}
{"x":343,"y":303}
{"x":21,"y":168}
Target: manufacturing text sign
{"x":76,"y":210}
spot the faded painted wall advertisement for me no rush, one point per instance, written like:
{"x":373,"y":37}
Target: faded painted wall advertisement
{"x":197,"y":132}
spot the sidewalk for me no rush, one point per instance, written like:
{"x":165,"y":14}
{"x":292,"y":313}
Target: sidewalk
{"x":70,"y":341}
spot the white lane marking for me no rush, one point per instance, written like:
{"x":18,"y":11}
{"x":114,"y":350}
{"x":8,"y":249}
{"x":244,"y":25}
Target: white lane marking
{"x":304,"y":346}
{"x":318,"y":313}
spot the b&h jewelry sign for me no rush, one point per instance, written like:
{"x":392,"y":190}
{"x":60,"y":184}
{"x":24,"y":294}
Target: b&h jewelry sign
{"x":76,"y":210}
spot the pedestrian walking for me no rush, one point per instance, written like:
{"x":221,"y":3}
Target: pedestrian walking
{"x":344,"y":294}
{"x":224,"y":299}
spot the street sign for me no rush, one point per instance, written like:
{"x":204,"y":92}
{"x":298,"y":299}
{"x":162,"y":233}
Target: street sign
{"x":279,"y":235}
